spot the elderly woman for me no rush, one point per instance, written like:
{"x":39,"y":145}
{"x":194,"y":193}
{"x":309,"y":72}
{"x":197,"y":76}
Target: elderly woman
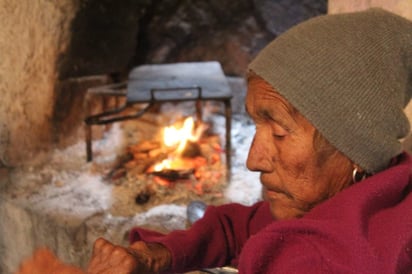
{"x":327,"y":98}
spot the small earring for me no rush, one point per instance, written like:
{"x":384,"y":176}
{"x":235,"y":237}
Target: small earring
{"x":358,"y":176}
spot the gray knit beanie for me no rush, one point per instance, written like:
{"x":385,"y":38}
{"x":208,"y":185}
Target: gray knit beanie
{"x":350,"y":75}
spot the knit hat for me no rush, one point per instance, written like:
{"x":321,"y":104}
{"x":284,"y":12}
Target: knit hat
{"x":350,"y":75}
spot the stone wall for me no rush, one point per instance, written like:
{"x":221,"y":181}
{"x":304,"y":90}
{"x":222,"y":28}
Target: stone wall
{"x":401,"y":7}
{"x":30,"y":42}
{"x":43,"y":44}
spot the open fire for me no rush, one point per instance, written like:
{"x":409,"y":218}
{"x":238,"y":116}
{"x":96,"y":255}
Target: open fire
{"x":185,"y":148}
{"x":188,"y":154}
{"x":182,"y":144}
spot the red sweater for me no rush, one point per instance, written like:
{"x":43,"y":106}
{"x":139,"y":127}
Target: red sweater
{"x":366,"y":228}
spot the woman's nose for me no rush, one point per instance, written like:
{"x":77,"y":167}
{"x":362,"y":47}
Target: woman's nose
{"x":259,"y":155}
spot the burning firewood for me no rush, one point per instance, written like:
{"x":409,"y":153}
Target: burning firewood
{"x":139,"y":158}
{"x":173,"y":174}
{"x":144,"y":147}
{"x":191,"y":150}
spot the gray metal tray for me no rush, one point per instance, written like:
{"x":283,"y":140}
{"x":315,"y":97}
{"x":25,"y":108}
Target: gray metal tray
{"x":177,"y":82}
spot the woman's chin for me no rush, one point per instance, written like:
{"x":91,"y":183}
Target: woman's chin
{"x":280,"y":212}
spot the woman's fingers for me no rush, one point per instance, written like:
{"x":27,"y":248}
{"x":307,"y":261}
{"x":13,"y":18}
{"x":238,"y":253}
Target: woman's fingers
{"x":108,"y":258}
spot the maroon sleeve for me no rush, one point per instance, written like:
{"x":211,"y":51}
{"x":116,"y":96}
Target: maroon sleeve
{"x":215,"y":240}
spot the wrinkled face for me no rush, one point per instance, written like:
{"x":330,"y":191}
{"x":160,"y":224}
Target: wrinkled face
{"x":297,"y":171}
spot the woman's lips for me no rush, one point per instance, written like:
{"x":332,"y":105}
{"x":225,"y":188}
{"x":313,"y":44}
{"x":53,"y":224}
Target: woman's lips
{"x":275,"y":192}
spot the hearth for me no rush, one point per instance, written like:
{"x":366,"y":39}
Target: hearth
{"x":151,"y":85}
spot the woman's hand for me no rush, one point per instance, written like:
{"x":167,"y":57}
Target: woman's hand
{"x":139,"y":258}
{"x":44,"y":261}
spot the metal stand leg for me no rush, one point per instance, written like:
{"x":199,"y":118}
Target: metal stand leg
{"x":88,"y":133}
{"x":199,"y":114}
{"x":228,"y":114}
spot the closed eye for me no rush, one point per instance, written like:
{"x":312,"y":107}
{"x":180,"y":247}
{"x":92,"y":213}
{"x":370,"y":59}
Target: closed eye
{"x":278,"y":131}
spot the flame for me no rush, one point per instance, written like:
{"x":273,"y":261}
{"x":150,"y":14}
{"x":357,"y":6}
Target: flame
{"x":176,"y":138}
{"x":165,"y":164}
{"x":170,"y":163}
